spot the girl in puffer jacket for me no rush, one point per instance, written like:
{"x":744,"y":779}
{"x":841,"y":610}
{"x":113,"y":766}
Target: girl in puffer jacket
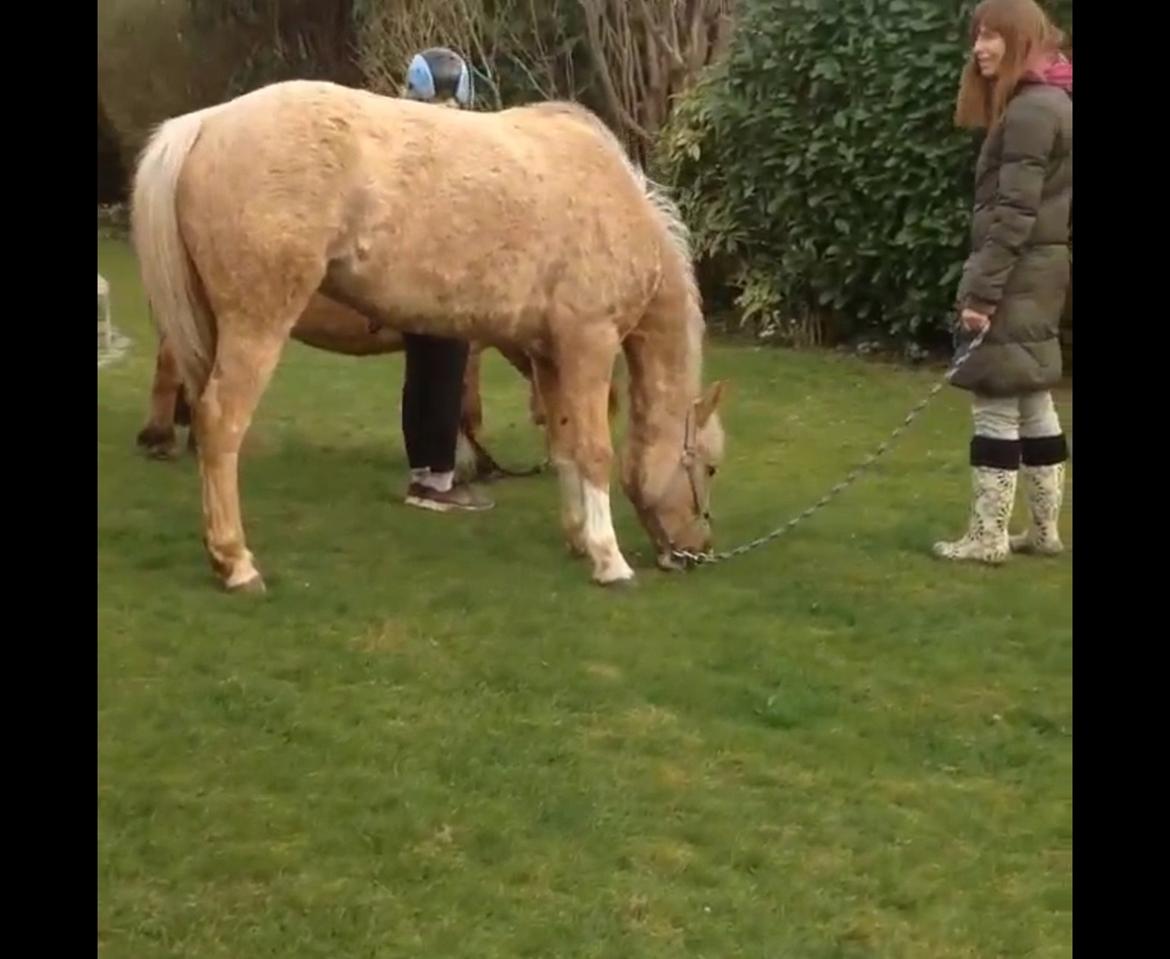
{"x":1018,"y":87}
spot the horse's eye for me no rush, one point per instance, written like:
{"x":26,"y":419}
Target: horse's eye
{"x":712,"y":470}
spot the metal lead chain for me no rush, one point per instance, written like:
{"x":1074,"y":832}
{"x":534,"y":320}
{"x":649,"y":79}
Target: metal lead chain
{"x":709,"y":559}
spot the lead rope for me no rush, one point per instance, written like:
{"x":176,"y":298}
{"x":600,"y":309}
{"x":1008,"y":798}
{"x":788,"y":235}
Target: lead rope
{"x":709,"y":559}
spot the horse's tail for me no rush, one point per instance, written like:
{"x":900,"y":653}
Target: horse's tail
{"x":168,"y":276}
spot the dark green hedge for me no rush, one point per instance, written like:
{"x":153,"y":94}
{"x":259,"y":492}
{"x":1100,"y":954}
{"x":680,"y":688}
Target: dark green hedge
{"x":820,"y":170}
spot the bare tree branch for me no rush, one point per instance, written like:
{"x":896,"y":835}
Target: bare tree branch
{"x":642,"y":53}
{"x":658,"y":32}
{"x":647,"y":52}
{"x":594,"y":21}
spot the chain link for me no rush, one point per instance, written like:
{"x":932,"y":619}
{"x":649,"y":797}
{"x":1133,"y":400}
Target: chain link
{"x":710,"y":559}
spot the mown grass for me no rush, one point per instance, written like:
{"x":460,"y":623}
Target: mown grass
{"x":435,"y":738}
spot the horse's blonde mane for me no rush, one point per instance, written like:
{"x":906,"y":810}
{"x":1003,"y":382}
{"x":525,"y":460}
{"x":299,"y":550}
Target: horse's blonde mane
{"x":680,"y":238}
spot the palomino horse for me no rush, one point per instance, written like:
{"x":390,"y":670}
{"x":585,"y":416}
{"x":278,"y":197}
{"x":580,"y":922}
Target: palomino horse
{"x":536,"y":233}
{"x":336,"y":328}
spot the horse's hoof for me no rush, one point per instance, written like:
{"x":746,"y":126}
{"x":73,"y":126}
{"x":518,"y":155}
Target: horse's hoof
{"x":253,"y":586}
{"x":628,"y":582}
{"x":158,"y":444}
{"x":616,"y":573}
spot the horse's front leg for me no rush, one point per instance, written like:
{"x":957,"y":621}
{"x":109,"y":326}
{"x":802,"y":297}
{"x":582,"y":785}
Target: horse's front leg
{"x":578,"y":420}
{"x":546,"y":380}
{"x":594,"y":457}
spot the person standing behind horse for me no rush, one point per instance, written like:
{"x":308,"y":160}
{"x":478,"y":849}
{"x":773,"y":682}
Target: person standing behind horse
{"x":1018,"y":87}
{"x":433,"y":386}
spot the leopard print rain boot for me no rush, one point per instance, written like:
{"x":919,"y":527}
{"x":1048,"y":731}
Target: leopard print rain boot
{"x":986,"y":539}
{"x":1043,"y":486}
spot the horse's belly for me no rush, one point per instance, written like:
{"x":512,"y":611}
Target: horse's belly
{"x":336,"y":328}
{"x":435,"y":295}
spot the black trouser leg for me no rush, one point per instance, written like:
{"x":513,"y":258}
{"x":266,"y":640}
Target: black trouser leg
{"x":432,"y":400}
{"x":414,"y":401}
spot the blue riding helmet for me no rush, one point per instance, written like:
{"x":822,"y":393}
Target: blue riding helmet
{"x":439,"y":75}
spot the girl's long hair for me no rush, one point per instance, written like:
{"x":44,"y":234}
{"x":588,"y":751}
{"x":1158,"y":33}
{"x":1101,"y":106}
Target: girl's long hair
{"x":1026,"y":31}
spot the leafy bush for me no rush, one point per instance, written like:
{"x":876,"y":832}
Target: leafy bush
{"x":820,"y":169}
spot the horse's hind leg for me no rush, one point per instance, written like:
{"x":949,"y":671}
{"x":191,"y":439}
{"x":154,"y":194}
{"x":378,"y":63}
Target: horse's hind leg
{"x":157,"y":437}
{"x":471,"y":460}
{"x":244,"y":363}
{"x":183,"y":418}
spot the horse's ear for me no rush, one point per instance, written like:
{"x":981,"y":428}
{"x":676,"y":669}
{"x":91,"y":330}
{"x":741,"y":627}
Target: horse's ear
{"x":706,"y":404}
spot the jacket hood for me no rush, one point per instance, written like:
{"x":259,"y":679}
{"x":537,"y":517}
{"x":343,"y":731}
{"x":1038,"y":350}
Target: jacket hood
{"x":1057,"y":72}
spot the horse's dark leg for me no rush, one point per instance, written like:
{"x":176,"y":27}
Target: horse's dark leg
{"x":157,"y":437}
{"x":183,"y":416}
{"x":485,"y":467}
{"x":182,"y":409}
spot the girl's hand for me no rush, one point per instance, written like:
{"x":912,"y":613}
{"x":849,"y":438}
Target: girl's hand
{"x":974,"y":321}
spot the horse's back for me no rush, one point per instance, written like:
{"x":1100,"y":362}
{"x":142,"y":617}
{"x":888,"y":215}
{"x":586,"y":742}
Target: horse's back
{"x":535,"y":153}
{"x":459,"y":218}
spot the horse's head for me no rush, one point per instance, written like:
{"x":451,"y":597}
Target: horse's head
{"x":670,"y":483}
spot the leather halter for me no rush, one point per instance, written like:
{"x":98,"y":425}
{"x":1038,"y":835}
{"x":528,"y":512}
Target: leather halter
{"x":691,"y":464}
{"x":689,"y":460}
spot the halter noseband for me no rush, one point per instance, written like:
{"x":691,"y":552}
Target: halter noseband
{"x":690,"y":463}
{"x":689,"y":460}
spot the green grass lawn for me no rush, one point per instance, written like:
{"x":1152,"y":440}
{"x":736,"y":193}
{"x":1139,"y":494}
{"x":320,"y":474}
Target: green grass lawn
{"x":434,"y":737}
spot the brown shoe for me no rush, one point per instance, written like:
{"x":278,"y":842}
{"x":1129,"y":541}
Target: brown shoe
{"x":459,"y":497}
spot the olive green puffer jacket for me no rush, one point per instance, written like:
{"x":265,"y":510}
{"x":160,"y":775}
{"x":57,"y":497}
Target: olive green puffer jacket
{"x":1019,"y":268}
